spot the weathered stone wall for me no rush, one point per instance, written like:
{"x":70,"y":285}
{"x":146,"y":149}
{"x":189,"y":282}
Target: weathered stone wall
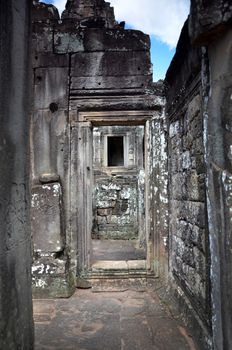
{"x":218,"y":117}
{"x":85,"y":62}
{"x":198,"y":107}
{"x":115,"y":208}
{"x":187,"y":194}
{"x":16,"y":324}
{"x":188,"y":227}
{"x":156,"y":186}
{"x":96,"y":13}
{"x":50,"y":159}
{"x":209,"y":18}
{"x":214,"y":32}
{"x":118,"y":201}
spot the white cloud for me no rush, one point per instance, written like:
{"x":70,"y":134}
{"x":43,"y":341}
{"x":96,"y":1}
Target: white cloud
{"x":161,"y":18}
{"x":60,"y":5}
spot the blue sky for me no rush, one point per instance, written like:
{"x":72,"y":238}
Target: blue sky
{"x":161,"y":56}
{"x":161,"y":19}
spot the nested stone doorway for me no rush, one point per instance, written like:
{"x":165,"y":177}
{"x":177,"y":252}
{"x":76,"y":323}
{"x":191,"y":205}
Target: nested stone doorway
{"x":118,"y":232}
{"x":110,"y":153}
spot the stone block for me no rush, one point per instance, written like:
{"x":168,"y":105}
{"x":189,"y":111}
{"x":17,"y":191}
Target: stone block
{"x":189,"y":256}
{"x":126,"y":63}
{"x":194,"y":108}
{"x":198,"y":237}
{"x":104,"y":212}
{"x":192,"y":280}
{"x":67,"y":42}
{"x":136,"y":265}
{"x":127,"y":192}
{"x":188,"y":140}
{"x":45,"y":94}
{"x":186,"y":160}
{"x":105,"y":204}
{"x":115,"y":39}
{"x":110,"y":266}
{"x":112,"y":195}
{"x":176,"y":208}
{"x":174,"y":129}
{"x":42,"y":38}
{"x":207,"y":17}
{"x":118,"y":210}
{"x":197,"y":147}
{"x":175,"y":163}
{"x":45,"y":60}
{"x":193,"y":212}
{"x":178,"y":246}
{"x":48,"y":266}
{"x":176,"y":144}
{"x":182,"y":229}
{"x":178,"y":188}
{"x":101,"y":63}
{"x":46,"y":223}
{"x":195,"y":187}
{"x":114,"y":219}
{"x":87,"y":64}
{"x":101,"y":220}
{"x":111,"y":186}
{"x":196,"y":127}
{"x":200,"y":262}
{"x":198,"y":163}
{"x":42,"y":12}
{"x":108,"y":82}
{"x":178,"y":264}
{"x":50,"y":145}
{"x":185,"y":268}
{"x":48,"y":286}
{"x":196,"y":285}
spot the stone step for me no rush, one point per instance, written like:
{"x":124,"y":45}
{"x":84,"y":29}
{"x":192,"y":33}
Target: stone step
{"x":119,"y":267}
{"x":139,"y":284}
{"x":43,"y":310}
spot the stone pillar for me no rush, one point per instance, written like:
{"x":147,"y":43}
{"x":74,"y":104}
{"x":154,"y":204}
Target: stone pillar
{"x":82,"y":161}
{"x":16,"y":324}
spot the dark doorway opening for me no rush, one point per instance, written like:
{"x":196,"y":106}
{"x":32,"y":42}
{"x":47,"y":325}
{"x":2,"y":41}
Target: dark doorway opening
{"x":115,"y":150}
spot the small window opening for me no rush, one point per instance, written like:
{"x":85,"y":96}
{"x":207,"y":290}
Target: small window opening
{"x":115,"y":151}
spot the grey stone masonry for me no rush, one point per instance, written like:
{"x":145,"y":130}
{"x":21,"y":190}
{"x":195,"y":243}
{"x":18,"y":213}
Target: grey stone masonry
{"x":188,"y":245}
{"x":85,"y":62}
{"x":199,"y":117}
{"x":16,"y":320}
{"x":90,"y":13}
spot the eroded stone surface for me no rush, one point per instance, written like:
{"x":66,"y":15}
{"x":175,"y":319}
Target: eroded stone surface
{"x":16,"y":323}
{"x":209,"y":18}
{"x":46,"y":218}
{"x":87,"y":62}
{"x":126,"y":320}
{"x":200,"y":166}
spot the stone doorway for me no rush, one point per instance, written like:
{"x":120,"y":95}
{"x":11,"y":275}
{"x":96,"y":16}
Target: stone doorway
{"x":112,"y":224}
{"x":118,"y":232}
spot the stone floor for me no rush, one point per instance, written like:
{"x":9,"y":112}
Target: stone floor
{"x":128,"y":320}
{"x":116,"y":250}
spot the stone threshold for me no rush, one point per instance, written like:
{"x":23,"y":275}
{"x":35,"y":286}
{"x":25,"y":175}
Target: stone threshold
{"x":110,"y":282}
{"x":118,"y":268}
{"x":121,"y":265}
{"x":107,"y":275}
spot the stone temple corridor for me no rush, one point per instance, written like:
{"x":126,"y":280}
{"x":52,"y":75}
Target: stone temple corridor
{"x":129,"y":319}
{"x":115,"y":190}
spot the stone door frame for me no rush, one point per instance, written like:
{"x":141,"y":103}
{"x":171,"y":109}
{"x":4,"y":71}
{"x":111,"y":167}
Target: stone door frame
{"x":81,"y":181}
